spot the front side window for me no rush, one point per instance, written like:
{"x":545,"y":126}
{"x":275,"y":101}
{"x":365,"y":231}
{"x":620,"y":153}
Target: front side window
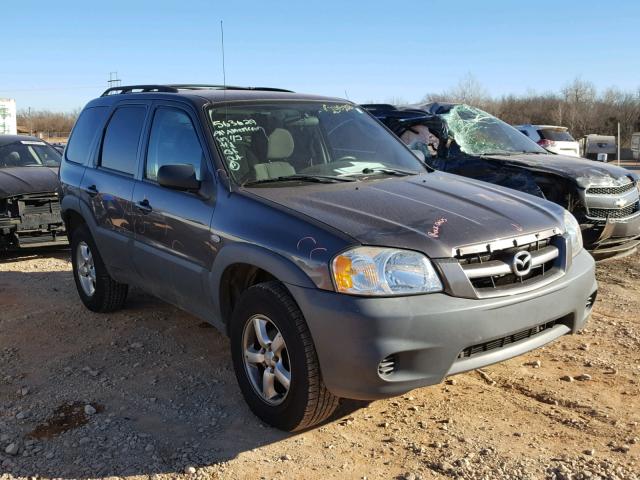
{"x":265,"y":141}
{"x":120,"y":143}
{"x":173,"y":141}
{"x":478,"y":133}
{"x":28,"y":153}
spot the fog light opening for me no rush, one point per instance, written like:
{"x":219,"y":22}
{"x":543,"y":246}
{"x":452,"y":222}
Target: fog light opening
{"x":591,"y":300}
{"x":387,"y":366}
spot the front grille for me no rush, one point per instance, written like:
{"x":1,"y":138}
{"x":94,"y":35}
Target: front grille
{"x":472,"y":258}
{"x":604,"y":213}
{"x":509,"y":339}
{"x":492,"y":270}
{"x":39,"y":204}
{"x":611,"y":190}
{"x":39,"y":208}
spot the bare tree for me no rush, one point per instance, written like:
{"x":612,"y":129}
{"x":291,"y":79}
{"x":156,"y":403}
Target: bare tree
{"x":468,"y":90}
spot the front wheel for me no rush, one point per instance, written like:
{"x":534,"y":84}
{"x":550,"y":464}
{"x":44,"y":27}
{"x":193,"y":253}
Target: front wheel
{"x":275,"y":360}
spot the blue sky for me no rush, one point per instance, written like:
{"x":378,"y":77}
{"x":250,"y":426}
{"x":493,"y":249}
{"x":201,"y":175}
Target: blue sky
{"x":58,"y":55}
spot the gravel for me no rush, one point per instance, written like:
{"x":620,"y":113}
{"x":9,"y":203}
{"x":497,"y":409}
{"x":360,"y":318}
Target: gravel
{"x":150,"y":392}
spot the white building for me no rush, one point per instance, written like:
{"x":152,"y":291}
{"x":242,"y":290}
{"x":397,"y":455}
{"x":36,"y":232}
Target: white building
{"x":8,"y":121}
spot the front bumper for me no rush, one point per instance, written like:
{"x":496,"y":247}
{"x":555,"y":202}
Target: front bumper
{"x":614,"y":238}
{"x":14,"y":236}
{"x":426,"y":334}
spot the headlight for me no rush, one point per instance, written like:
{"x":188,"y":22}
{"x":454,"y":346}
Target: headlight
{"x":376,"y":271}
{"x":572,"y":228}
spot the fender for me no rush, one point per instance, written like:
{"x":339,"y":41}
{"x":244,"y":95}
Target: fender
{"x":281,"y":267}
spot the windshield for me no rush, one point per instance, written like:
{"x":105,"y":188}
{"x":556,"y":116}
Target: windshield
{"x":28,"y":153}
{"x":478,"y":133}
{"x":267,"y":141}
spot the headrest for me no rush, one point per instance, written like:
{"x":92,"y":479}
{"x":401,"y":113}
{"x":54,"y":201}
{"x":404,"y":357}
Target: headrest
{"x":280,"y":144}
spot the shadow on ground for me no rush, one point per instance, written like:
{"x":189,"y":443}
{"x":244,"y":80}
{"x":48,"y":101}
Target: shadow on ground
{"x":160,"y":380}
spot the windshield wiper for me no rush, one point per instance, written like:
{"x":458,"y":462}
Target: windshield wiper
{"x":300,"y":178}
{"x":504,"y":154}
{"x":386,"y":170}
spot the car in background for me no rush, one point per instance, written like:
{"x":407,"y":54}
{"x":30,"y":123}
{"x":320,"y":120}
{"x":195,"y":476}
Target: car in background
{"x":553,"y":138}
{"x":464,"y":140}
{"x":29,"y":188}
{"x":600,"y":148}
{"x":59,"y":146}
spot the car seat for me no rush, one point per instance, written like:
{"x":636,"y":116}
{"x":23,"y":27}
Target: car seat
{"x":279,"y":148}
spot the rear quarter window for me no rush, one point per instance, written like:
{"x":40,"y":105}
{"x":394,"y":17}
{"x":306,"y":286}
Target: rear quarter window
{"x":84,"y":133}
{"x":121,"y":139}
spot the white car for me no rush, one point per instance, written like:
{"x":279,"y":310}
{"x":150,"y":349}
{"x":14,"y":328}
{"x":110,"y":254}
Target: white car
{"x":553,"y":138}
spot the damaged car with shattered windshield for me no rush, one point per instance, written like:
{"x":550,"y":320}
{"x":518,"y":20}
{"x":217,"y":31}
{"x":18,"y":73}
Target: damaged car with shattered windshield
{"x":465,"y":140}
{"x":29,"y":202}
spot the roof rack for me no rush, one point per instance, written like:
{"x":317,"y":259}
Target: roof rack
{"x":141,"y":88}
{"x":206,"y":86}
{"x":175,"y":88}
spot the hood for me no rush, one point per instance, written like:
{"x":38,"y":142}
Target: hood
{"x":583,"y":172}
{"x":433,"y":213}
{"x":21,"y":180}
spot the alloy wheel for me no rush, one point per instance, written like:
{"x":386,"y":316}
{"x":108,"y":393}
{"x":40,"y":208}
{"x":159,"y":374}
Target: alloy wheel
{"x":86,"y":269}
{"x":266,"y":359}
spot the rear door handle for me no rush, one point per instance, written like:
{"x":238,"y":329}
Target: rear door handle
{"x":92,"y":190}
{"x":144,"y":206}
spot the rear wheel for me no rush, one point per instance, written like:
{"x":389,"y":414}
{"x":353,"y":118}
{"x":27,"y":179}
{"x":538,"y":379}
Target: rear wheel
{"x":97,"y":290}
{"x":275,"y":360}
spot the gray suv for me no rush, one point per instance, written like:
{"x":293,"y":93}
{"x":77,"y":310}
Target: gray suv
{"x":337,"y":262}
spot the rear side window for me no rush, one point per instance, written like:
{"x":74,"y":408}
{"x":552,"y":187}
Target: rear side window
{"x":173,"y":141}
{"x":120,"y":144}
{"x":556,"y":135}
{"x":84,"y":133}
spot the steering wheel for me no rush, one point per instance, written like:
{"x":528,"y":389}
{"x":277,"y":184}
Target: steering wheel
{"x":347,"y":158}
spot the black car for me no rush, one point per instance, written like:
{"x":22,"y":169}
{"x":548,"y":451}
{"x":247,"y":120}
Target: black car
{"x":464,"y":140}
{"x":29,"y":193}
{"x":300,"y":226}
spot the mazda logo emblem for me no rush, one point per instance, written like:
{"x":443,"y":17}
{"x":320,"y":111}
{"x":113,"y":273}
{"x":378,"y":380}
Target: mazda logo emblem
{"x":521,"y":264}
{"x":621,"y":202}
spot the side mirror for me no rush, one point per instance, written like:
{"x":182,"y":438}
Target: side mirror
{"x":178,"y":177}
{"x":419,"y":154}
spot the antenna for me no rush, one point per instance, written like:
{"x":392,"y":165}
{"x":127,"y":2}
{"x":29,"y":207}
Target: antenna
{"x":224,"y":92}
{"x":346,"y":94}
{"x":224,"y":73}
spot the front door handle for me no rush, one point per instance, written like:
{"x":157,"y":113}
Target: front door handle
{"x":144,"y":206}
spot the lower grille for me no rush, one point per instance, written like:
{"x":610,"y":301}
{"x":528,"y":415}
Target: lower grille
{"x":509,"y":339}
{"x":604,"y":213}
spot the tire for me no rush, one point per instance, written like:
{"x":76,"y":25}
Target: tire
{"x":307,"y":401}
{"x":107,"y":295}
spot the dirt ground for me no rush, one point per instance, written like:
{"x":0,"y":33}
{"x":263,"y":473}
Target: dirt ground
{"x":150,"y":392}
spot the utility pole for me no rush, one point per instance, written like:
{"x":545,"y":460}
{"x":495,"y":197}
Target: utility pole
{"x":618,"y":143}
{"x":30,"y":123}
{"x":113,"y":81}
